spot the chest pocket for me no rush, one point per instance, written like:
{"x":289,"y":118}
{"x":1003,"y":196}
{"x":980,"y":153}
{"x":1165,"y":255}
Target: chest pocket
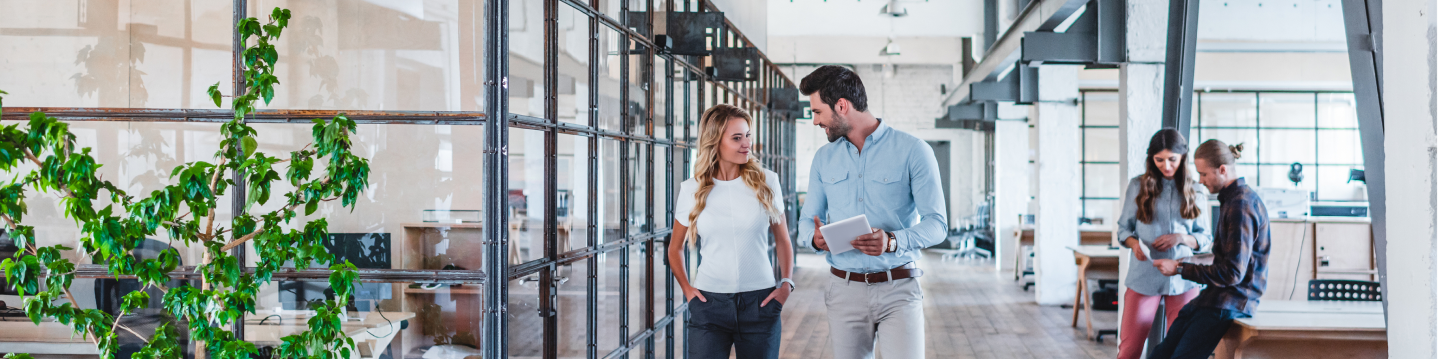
{"x":889,"y":186}
{"x":838,"y":188}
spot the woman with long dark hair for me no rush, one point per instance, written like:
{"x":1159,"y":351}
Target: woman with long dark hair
{"x":1161,"y":216}
{"x":729,"y":209}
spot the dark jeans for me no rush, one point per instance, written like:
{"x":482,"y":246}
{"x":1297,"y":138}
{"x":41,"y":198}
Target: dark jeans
{"x":734,"y":319}
{"x":1195,"y":332}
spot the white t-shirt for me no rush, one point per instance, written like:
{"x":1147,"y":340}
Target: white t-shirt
{"x":733,"y":235}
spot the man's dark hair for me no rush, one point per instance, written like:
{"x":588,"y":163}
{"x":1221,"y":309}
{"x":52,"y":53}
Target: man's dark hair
{"x":834,"y":83}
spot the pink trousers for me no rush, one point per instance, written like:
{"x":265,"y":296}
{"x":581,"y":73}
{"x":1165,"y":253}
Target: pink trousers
{"x":1139,"y":314}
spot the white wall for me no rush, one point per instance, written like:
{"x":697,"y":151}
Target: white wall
{"x":1410,"y":114}
{"x":905,"y":98}
{"x":751,"y":17}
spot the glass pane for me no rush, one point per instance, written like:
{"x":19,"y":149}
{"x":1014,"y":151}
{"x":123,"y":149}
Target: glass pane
{"x":660,"y":196}
{"x":1286,"y":146}
{"x":573,"y":103}
{"x":639,"y":178}
{"x":573,"y":200}
{"x":1335,"y":184}
{"x":638,"y":289}
{"x":527,"y":58}
{"x":1102,"y":211}
{"x":663,"y":280}
{"x":152,"y":54}
{"x":608,"y":311}
{"x":1287,"y":110}
{"x":391,"y":56}
{"x":609,"y":68}
{"x":1278,"y":176}
{"x":658,"y":92}
{"x":1101,"y":144}
{"x":1233,"y":137}
{"x":526,"y":198}
{"x":1102,"y":109}
{"x":610,"y":190}
{"x":1102,"y":180}
{"x":1227,"y":110}
{"x":1341,"y":147}
{"x":637,"y":111}
{"x":1337,"y":110}
{"x":527,"y":328}
{"x":438,"y":316}
{"x":572,"y":306}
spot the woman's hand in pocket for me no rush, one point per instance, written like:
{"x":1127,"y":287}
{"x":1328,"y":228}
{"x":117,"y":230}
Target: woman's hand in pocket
{"x":691,"y":293}
{"x":779,"y":295}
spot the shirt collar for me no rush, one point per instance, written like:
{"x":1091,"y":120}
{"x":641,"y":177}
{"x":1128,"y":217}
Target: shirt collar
{"x":880,"y":131}
{"x":1233,"y":190}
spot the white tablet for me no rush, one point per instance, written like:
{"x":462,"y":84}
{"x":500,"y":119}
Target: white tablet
{"x":839,"y":234}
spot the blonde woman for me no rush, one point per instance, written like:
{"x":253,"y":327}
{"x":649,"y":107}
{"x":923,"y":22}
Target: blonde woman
{"x":726,"y":210}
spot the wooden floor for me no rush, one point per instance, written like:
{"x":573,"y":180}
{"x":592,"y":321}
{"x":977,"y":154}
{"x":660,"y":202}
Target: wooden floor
{"x":971,"y":310}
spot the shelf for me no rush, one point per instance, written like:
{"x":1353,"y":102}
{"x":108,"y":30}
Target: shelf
{"x":462,"y":289}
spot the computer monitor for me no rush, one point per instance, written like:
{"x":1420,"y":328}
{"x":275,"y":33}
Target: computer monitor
{"x":364,"y":250}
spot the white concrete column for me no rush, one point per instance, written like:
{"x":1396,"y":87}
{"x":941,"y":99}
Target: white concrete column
{"x":1056,"y":219}
{"x":1409,"y":88}
{"x":1012,"y":187}
{"x":1142,"y":89}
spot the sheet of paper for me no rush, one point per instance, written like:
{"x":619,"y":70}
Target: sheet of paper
{"x":839,"y":234}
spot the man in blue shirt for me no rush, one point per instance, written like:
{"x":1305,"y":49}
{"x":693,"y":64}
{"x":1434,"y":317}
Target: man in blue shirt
{"x":873,"y":300}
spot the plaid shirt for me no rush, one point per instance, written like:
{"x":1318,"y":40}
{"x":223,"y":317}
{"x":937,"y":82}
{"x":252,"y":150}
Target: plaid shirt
{"x":1242,"y":246}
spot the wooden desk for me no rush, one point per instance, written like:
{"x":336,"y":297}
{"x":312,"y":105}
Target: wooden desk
{"x":1099,"y":261}
{"x":1308,"y":329}
{"x":1025,"y":236}
{"x":372,"y":335}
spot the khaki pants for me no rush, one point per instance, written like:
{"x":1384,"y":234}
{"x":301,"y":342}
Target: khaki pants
{"x":888,"y":316}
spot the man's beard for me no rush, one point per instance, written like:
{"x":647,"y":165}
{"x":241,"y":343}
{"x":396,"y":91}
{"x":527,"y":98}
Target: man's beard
{"x":838,"y":128}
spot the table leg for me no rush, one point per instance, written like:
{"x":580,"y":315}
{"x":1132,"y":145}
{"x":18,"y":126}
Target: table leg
{"x":1233,"y":344}
{"x":1084,"y":286}
{"x":1075,"y":311}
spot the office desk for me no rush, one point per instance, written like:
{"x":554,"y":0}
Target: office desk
{"x":1097,"y":261}
{"x":372,"y":335}
{"x":1025,"y":236}
{"x":1307,"y":329}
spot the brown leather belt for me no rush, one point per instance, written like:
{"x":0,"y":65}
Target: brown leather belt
{"x":907,"y":270}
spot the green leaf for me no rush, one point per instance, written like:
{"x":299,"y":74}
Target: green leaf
{"x":249,"y":146}
{"x":214,"y":92}
{"x":311,"y":206}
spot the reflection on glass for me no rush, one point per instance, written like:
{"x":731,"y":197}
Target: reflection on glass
{"x":573,"y":101}
{"x":1335,"y":185}
{"x":657,"y":91}
{"x":1337,"y":110}
{"x":636,"y":283}
{"x":660,"y":199}
{"x":437,"y":319}
{"x":1341,"y":147}
{"x":1102,"y":180}
{"x":663,"y":280}
{"x":527,"y":329}
{"x":612,"y":45}
{"x":639,"y":176}
{"x":572,"y":309}
{"x":527,"y":58}
{"x":391,"y":56}
{"x":526,"y":198}
{"x":572,"y":201}
{"x":610,"y":190}
{"x":637,"y":109}
{"x":149,"y":54}
{"x":608,"y":330}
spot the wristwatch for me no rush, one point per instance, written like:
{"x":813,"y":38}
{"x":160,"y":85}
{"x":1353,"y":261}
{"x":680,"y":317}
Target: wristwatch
{"x":891,"y":244}
{"x":784,"y":281}
{"x":1179,"y":267}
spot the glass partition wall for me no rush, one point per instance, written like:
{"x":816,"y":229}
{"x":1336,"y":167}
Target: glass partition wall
{"x":537,"y":234}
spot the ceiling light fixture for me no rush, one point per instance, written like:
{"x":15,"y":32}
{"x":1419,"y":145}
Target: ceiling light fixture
{"x":894,"y":9}
{"x":891,"y":48}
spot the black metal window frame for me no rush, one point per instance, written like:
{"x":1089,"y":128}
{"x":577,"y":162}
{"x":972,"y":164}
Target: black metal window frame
{"x":774,"y":132}
{"x":1200,"y":127}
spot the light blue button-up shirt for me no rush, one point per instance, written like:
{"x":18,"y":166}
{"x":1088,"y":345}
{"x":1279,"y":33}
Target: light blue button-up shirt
{"x":894,"y":182}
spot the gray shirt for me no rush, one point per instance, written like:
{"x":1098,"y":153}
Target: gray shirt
{"x":1143,"y":277}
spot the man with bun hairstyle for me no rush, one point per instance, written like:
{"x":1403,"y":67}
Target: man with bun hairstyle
{"x":1237,"y":278}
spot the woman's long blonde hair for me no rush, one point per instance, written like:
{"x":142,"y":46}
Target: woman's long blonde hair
{"x":707,"y":165}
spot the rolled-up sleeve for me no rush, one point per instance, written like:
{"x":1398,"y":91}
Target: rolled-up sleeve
{"x":1125,"y":227}
{"x":929,"y":202}
{"x":815,"y":205}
